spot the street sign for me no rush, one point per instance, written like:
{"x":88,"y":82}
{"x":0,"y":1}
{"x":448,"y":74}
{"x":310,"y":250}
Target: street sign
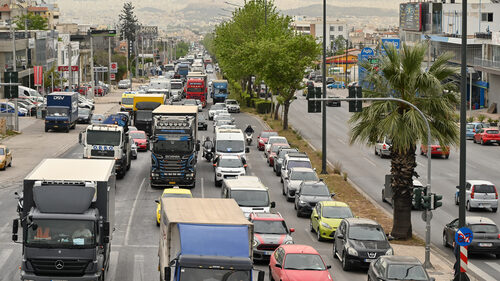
{"x":66,"y":68}
{"x":367,"y":53}
{"x":11,"y":91}
{"x":112,"y":76}
{"x":100,"y":69}
{"x":396,"y":42}
{"x":464,"y":236}
{"x":113,"y":67}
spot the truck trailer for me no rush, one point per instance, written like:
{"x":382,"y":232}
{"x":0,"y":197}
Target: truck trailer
{"x":62,"y":111}
{"x":144,"y":104}
{"x":205,"y":239}
{"x":67,"y":218}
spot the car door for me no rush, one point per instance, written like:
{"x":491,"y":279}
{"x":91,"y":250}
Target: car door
{"x":297,"y":196}
{"x":283,"y":168}
{"x":339,"y":242}
{"x":279,"y":256}
{"x":451,"y":228}
{"x":315,"y":216}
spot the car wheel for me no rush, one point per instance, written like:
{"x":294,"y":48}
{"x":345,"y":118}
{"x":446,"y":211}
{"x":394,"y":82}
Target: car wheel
{"x":482,"y":141}
{"x":468,"y":206}
{"x":281,"y":180}
{"x":445,"y":240}
{"x":345,"y":263}
{"x":318,"y":235}
{"x":283,"y":190}
{"x":456,"y":199}
{"x":376,"y":153}
{"x":494,"y":210}
{"x":497,"y":256}
{"x":421,"y":152}
{"x":334,"y":251}
{"x":446,"y":156}
{"x":474,"y":140}
{"x":10,"y":164}
{"x":383,"y":197}
{"x":311,"y":228}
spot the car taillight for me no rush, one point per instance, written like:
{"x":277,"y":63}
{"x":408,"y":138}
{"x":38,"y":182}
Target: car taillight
{"x":434,"y":148}
{"x":499,"y":236}
{"x":384,"y":146}
{"x":496,"y":193}
{"x":472,"y":193}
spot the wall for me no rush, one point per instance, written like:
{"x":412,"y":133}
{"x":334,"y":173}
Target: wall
{"x":452,"y":18}
{"x":493,"y":90}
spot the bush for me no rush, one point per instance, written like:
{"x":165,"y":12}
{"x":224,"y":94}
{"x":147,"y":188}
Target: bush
{"x":263,"y":106}
{"x":481,"y":118}
{"x":253,"y":101}
{"x":470,"y":119}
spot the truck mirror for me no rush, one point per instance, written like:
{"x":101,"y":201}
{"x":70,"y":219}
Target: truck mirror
{"x":119,"y":102}
{"x":80,"y":138}
{"x":247,"y":149}
{"x":198,"y":147}
{"x":273,"y":204}
{"x":167,"y":274}
{"x":261,"y":275}
{"x":105,"y":229}
{"x":15,"y":226}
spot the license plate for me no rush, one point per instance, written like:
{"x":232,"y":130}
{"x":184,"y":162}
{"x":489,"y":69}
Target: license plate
{"x":369,"y":260}
{"x":268,"y":253}
{"x":171,"y":182}
{"x":485,"y":244}
{"x":484,"y":205}
{"x":56,"y":127}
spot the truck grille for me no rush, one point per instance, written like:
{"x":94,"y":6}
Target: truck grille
{"x":107,"y":153}
{"x":53,"y":267}
{"x":267,"y":247}
{"x":172,"y":165}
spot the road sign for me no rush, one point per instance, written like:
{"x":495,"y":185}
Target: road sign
{"x":464,"y":236}
{"x":396,"y":42}
{"x":367,"y":53}
{"x":112,"y":76}
{"x":100,"y":69}
{"x":113,"y":67}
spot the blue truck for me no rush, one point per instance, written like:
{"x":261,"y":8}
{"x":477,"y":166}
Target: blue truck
{"x":182,"y":70}
{"x":219,"y":90}
{"x":62,"y":111}
{"x":205,"y":239}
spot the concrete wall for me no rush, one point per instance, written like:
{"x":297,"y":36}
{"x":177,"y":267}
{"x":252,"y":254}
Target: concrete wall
{"x":494,"y":90}
{"x":452,"y":18}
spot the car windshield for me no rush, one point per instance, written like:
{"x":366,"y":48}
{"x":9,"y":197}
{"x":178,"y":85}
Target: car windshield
{"x":275,"y":148}
{"x":297,"y":164}
{"x":230,"y":146}
{"x":103,"y":138}
{"x":143,"y":115}
{"x":61,"y":234}
{"x":206,"y":274}
{"x":492,"y":131}
{"x":128,"y":101}
{"x":2,"y":152}
{"x":231,"y":102}
{"x":269,"y":227}
{"x":277,"y":140}
{"x":304,"y":262}
{"x":303,"y":176}
{"x":138,"y":135}
{"x":176,"y":195}
{"x":333,"y":212}
{"x":406,"y":272}
{"x":470,"y":126}
{"x":484,"y":188}
{"x":57,"y":111}
{"x":195,"y":90}
{"x":284,"y":152}
{"x":366,"y":233}
{"x":315,"y":190}
{"x":483,"y":228}
{"x":251,"y":198}
{"x":268,"y":134}
{"x":230,"y":163}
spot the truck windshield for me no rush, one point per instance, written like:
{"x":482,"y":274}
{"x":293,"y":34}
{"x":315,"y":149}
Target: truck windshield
{"x":144,"y":115}
{"x":195,"y":90}
{"x":172,"y":146}
{"x":57,"y":111}
{"x":220,"y":91}
{"x":61,"y":234}
{"x":128,"y":101}
{"x":230,"y":146}
{"x":103,"y":138}
{"x":251,"y":198}
{"x":200,"y":274}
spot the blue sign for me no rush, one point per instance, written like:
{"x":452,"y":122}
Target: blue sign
{"x":463,"y":236}
{"x":391,"y":41}
{"x":366,"y":53}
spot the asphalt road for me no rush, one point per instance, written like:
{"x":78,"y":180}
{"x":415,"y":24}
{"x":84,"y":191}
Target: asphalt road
{"x":367,"y":171}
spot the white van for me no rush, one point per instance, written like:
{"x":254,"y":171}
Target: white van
{"x":250,"y":194}
{"x":230,"y":142}
{"x":33,"y":95}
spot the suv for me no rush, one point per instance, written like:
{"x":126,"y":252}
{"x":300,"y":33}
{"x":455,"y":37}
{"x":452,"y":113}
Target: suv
{"x":479,"y":194}
{"x":232,"y":106}
{"x":228,"y":166}
{"x":359,"y":242}
{"x":294,"y":160}
{"x":295,"y":178}
{"x":280,"y":156}
{"x":270,"y":231}
{"x":308,"y":194}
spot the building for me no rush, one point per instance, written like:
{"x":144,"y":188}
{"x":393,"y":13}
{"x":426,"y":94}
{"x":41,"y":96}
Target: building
{"x":314,"y":26}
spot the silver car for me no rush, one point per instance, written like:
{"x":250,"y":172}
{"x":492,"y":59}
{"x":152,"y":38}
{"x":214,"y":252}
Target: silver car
{"x":295,"y":177}
{"x":479,"y":194}
{"x":133,"y":149}
{"x":383,"y":147}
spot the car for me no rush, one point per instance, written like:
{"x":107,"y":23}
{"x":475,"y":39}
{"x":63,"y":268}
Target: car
{"x":84,"y":115}
{"x":132,"y":128}
{"x":171,"y":193}
{"x":436,"y":150}
{"x":5,"y":157}
{"x":398,"y":268}
{"x":270,"y":231}
{"x":326,"y":217}
{"x":358,"y":242}
{"x":292,"y":262}
{"x":133,"y":149}
{"x":140,"y":139}
{"x":330,"y":80}
{"x":262,"y":138}
{"x":8,"y":107}
{"x":223,"y":115}
{"x":202,"y":122}
{"x":487,"y":135}
{"x":222,"y":123}
{"x":294,"y":160}
{"x":272,"y":152}
{"x":278,"y":161}
{"x":383,"y":147}
{"x":308,"y":194}
{"x":336,"y":85}
{"x":472,"y":128}
{"x":29,"y":105}
{"x":232,"y":106}
{"x":227,"y":167}
{"x":124,"y":84}
{"x":295,"y":177}
{"x":479,"y":194}
{"x":193,"y":102}
{"x":318,"y":78}
{"x":98,"y":119}
{"x":214,"y":108}
{"x":227,"y":126}
{"x":484,"y":231}
{"x":333,"y":103}
{"x":270,"y":141}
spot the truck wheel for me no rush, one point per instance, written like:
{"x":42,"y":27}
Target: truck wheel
{"x":67,"y":129}
{"x":46,"y":129}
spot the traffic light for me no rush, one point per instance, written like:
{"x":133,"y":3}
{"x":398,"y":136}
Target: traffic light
{"x":355,"y":92}
{"x":11,"y":92}
{"x":436,"y":201}
{"x":313,"y":106}
{"x":418,"y":193}
{"x":427,"y":202}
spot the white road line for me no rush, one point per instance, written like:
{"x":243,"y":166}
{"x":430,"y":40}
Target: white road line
{"x":5,"y":255}
{"x":419,"y":164}
{"x":132,"y":212}
{"x":370,"y":161}
{"x":308,"y":231}
{"x":481,"y":273}
{"x":341,"y":141}
{"x":113,"y":265}
{"x":202,"y":189}
{"x":493,"y":265}
{"x":138,"y":268}
{"x":4,"y":231}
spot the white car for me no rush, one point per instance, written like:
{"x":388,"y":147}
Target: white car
{"x":228,"y":166}
{"x":295,"y":177}
{"x":133,"y":149}
{"x":216,"y":109}
{"x":270,"y":141}
{"x":232,"y":106}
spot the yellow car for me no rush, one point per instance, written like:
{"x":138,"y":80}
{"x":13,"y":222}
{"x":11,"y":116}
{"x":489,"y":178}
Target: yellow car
{"x":5,"y":157}
{"x":171,"y":192}
{"x":326,"y":217}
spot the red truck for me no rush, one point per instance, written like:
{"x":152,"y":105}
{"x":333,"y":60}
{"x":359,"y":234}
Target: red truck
{"x":196,"y":89}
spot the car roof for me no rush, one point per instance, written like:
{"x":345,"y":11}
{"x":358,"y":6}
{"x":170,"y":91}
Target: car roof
{"x":267,"y":216}
{"x":279,"y":144}
{"x":301,"y":169}
{"x":490,"y":128}
{"x":401,"y":260}
{"x":356,"y":221}
{"x":176,"y":191}
{"x":334,"y":204}
{"x":299,"y":249}
{"x":478,"y":182}
{"x":478,"y":220}
{"x":275,"y":137}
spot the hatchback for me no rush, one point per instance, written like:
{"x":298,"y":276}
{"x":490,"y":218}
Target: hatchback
{"x":383,"y":147}
{"x":487,"y":135}
{"x":263,"y":137}
{"x":436,"y":150}
{"x":326,"y":217}
{"x":472,"y":128}
{"x":479,"y":194}
{"x":398,"y":268}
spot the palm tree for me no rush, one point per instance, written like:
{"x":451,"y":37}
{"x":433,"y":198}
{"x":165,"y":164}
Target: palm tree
{"x":400,"y":75}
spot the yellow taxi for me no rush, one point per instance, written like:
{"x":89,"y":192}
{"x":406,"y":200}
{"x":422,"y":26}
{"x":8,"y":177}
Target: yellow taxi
{"x":326,"y":217}
{"x":172,"y":193}
{"x":5,"y":157}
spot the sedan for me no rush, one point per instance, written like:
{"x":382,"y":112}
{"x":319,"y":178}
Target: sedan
{"x":397,"y":268}
{"x":336,"y":85}
{"x":262,"y":138}
{"x":487,"y":135}
{"x":326,"y":218}
{"x":297,"y":262}
{"x":272,"y":153}
{"x":436,"y":150}
{"x":308,"y":195}
{"x":202,"y":122}
{"x":124,"y":84}
{"x":140,"y":139}
{"x":5,"y":157}
{"x":84,"y":115}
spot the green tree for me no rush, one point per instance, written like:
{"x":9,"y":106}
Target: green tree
{"x":400,"y":75}
{"x":47,"y":78}
{"x":339,"y":44}
{"x":35,"y":22}
{"x":182,"y":48}
{"x":128,"y":23}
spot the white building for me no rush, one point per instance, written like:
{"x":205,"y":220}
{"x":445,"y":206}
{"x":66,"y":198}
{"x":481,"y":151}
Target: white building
{"x":63,"y":58}
{"x":314,"y":26}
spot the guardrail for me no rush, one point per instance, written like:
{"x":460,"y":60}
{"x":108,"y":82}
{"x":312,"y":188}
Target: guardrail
{"x":486,"y":63}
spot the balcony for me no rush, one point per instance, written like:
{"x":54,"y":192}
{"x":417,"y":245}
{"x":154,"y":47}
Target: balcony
{"x":487,"y":65}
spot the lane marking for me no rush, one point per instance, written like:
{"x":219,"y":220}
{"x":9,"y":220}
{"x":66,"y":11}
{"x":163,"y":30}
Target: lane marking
{"x":138,"y":268}
{"x":370,"y":161}
{"x":202,"y":189}
{"x":113,"y":265}
{"x":418,"y":163}
{"x":341,"y":141}
{"x":481,"y":273}
{"x":493,"y":265}
{"x":132,"y":212}
{"x":4,"y":256}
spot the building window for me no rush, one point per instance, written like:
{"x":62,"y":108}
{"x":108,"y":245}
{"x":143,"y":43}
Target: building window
{"x":332,"y":28}
{"x":332,"y":37}
{"x":341,"y":28}
{"x":487,"y":17}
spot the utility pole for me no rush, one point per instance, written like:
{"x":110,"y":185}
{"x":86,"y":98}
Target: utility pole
{"x":346,"y":58}
{"x":142,"y":54}
{"x":27,"y":50}
{"x":109,"y":62}
{"x":128,"y":55}
{"x":136,"y":49}
{"x":92,"y":74}
{"x":323,"y":113}
{"x":70,"y":63}
{"x":14,"y":68}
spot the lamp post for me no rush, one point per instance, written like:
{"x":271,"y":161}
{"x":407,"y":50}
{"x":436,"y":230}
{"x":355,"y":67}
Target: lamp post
{"x":323,"y":112}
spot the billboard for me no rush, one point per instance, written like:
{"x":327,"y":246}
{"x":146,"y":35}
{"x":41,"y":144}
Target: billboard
{"x":410,"y":16}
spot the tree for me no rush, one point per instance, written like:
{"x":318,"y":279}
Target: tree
{"x":47,"y":78}
{"x":35,"y":22}
{"x":339,"y":45}
{"x":400,"y":75}
{"x":181,"y":49}
{"x":128,"y":23}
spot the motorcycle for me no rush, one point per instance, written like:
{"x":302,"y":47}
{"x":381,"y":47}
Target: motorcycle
{"x":208,"y":153}
{"x":249,"y":138}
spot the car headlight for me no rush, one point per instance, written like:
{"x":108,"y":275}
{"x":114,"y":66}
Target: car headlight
{"x":325,"y":225}
{"x":302,"y":202}
{"x":219,"y":174}
{"x":389,"y":252}
{"x":352,"y":251}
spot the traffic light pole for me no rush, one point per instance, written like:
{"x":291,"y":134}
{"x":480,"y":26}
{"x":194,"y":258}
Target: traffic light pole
{"x":323,"y":135}
{"x":428,"y":213}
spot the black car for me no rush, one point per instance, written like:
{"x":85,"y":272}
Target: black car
{"x":278,"y":161}
{"x":84,"y":115}
{"x":202,"y":122}
{"x":358,"y":242}
{"x":333,"y":103}
{"x":308,"y":194}
{"x":397,"y":268}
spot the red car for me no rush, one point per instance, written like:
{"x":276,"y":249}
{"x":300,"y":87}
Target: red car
{"x":141,"y":140}
{"x":291,"y":262}
{"x":436,"y":150}
{"x":487,"y":135}
{"x":262,"y":138}
{"x":274,"y":150}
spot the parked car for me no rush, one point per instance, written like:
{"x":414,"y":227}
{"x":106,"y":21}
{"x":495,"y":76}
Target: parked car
{"x":398,"y":268}
{"x":84,"y":115}
{"x":297,"y":176}
{"x":280,"y":156}
{"x":271,"y":141}
{"x":8,"y":107}
{"x":5,"y":157}
{"x":124,"y":84}
{"x":228,"y":166}
{"x":140,"y":139}
{"x":358,"y":242}
{"x":202,"y":122}
{"x":330,"y":80}
{"x":472,"y":128}
{"x":336,"y":85}
{"x":487,"y":135}
{"x":262,"y":138}
{"x":326,"y":217}
{"x":272,"y":152}
{"x":479,"y":194}
{"x":297,"y":262}
{"x":308,"y":195}
{"x":333,"y":103}
{"x":383,"y":147}
{"x":485,"y":235}
{"x":436,"y":150}
{"x":270,"y":231}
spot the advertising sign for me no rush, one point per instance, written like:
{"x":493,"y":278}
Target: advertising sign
{"x":38,"y":74}
{"x":410,"y":16}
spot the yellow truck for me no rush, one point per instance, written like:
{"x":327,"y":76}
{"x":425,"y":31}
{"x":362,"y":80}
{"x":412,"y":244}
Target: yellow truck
{"x":127,"y":102}
{"x":144,"y":104}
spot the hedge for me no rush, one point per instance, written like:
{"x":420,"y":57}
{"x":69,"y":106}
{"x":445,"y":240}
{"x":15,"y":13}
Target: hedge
{"x":263,"y":106}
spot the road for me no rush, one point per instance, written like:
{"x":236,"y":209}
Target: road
{"x":367,"y":171}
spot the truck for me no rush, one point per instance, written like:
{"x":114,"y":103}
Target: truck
{"x":219,"y":90}
{"x":108,"y":141}
{"x":144,"y":104}
{"x":182,"y":70}
{"x":195,"y":89}
{"x":205,"y":239}
{"x":66,"y":214}
{"x":62,"y":111}
{"x":127,"y":102}
{"x":175,"y":146}
{"x":204,"y":77}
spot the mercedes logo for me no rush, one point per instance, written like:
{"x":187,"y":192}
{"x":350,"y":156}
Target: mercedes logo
{"x":59,"y":264}
{"x":372,"y":255}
